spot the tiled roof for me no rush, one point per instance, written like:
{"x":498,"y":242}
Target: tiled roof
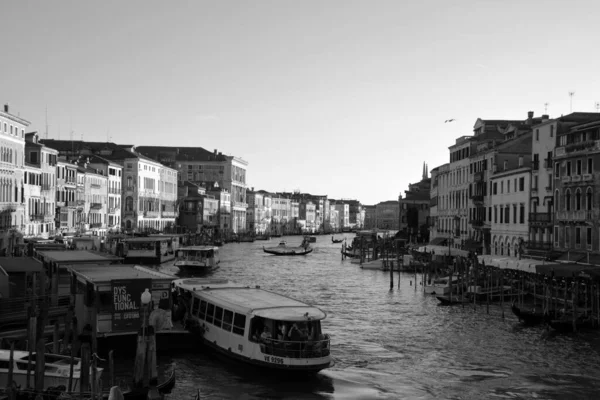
{"x":181,"y":153}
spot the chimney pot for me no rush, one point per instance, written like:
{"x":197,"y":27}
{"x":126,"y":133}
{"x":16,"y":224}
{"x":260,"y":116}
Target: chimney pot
{"x":529,"y":115}
{"x":6,"y":108}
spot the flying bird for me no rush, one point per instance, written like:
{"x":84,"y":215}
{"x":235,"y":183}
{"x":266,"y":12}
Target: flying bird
{"x":448,"y":120}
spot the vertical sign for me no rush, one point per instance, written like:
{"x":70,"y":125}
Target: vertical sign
{"x":127,"y":302}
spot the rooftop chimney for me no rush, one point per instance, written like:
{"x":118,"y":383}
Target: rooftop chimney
{"x":215,"y":152}
{"x":545,"y":117}
{"x":6,"y":108}
{"x":529,"y":117}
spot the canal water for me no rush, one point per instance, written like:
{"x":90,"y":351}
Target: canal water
{"x":392,"y":344}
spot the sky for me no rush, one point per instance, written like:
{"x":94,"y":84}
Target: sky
{"x":343,"y":98}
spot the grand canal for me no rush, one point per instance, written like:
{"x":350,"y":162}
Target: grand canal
{"x":392,"y":344}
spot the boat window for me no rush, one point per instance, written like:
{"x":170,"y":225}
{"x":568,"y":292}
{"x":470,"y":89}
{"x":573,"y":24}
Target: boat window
{"x":23,"y":366}
{"x":210,"y":312}
{"x":227,"y":320}
{"x":239,"y":323}
{"x":195,"y":306}
{"x":218,"y":316}
{"x":4,"y":364}
{"x":202,"y":313}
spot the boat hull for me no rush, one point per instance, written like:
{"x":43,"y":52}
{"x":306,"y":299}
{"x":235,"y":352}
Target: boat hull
{"x":194,"y":266}
{"x":287,"y":252}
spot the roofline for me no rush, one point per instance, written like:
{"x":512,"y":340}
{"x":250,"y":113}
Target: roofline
{"x":15,"y":118}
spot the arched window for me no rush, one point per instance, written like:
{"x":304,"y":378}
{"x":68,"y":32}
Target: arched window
{"x":588,"y":199}
{"x":568,"y":200}
{"x":501,"y":249}
{"x":578,"y":199}
{"x":129,"y":203}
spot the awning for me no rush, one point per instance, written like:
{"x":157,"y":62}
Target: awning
{"x":439,"y":241}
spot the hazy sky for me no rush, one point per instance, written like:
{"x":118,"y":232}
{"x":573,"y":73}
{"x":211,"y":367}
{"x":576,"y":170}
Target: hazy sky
{"x":345,"y":98}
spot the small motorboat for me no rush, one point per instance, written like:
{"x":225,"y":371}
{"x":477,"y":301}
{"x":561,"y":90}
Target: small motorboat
{"x":442,"y":286}
{"x":284,"y":250}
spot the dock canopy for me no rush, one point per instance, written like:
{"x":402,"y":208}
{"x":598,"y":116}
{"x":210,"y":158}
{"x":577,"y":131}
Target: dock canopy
{"x":77,"y":256}
{"x":20,"y":264}
{"x":439,"y":241}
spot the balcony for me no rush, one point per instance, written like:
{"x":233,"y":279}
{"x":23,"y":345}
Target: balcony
{"x":112,"y":210}
{"x":36,"y":217}
{"x":71,"y":181}
{"x":478,"y":177}
{"x":540,"y":218}
{"x":60,"y":204}
{"x":46,"y":187}
{"x":574,"y":215}
{"x":96,"y":225}
{"x":80,"y":203}
{"x":566,"y":179}
{"x":576,"y":178}
{"x":239,"y":204}
{"x":129,"y":213}
{"x":548,"y":163}
{"x":587,"y":177}
{"x":114,"y":191}
{"x":48,"y":217}
{"x":95,"y":186}
{"x":168,"y":214}
{"x":95,"y":206}
{"x":476,"y":222}
{"x":151,"y":214}
{"x":588,"y":145}
{"x":544,"y":246}
{"x":535,"y":165}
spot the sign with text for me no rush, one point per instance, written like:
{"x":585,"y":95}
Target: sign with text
{"x":127,"y":302}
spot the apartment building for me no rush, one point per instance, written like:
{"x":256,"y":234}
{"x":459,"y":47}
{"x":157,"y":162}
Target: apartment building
{"x":113,"y":172}
{"x":43,"y":159}
{"x":66,"y":196}
{"x":387,"y":215}
{"x":199,"y":166}
{"x":576,"y":205}
{"x":13,"y":213}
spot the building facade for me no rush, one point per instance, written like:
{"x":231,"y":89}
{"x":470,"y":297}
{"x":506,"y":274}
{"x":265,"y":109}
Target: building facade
{"x":66,"y":197}
{"x":13,"y":213}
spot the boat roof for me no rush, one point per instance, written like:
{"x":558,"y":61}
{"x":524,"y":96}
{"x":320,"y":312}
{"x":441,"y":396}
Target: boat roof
{"x":105,"y":273}
{"x":149,"y":239}
{"x":74,"y":256}
{"x":252,"y":300}
{"x":198,"y":248}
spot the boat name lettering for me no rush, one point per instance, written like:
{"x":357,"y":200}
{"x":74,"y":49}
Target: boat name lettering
{"x":122,"y":300}
{"x":274,"y":360}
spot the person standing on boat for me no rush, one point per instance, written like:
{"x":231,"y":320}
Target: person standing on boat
{"x":266,"y":335}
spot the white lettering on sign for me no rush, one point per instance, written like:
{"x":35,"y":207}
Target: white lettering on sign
{"x":274,"y":360}
{"x":122,"y":300}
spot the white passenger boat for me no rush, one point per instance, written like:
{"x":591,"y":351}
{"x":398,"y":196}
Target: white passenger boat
{"x":197,"y":258}
{"x":56,"y":370}
{"x":256,"y":326}
{"x":441,"y":286}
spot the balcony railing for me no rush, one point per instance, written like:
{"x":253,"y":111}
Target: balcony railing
{"x":575,"y":215}
{"x":576,"y":178}
{"x":566,"y":179}
{"x":129,"y":213}
{"x":95,"y":206}
{"x":96,"y":225}
{"x":587,"y":177}
{"x":239,"y":204}
{"x":112,"y":210}
{"x":540,"y":218}
{"x":36,"y":217}
{"x":168,"y":214}
{"x":70,"y":181}
{"x":46,"y":187}
{"x":545,"y":246}
{"x":478,"y":177}
{"x":535,"y":165}
{"x":60,"y":204}
{"x":80,"y":203}
{"x":588,"y":145}
{"x":151,"y":214}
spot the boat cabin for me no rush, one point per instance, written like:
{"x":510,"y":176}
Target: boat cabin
{"x":109,"y":297}
{"x":150,"y":249}
{"x":197,"y":253}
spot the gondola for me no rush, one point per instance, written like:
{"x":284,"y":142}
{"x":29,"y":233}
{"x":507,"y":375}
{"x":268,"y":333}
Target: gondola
{"x":531,"y":317}
{"x":448,"y":301}
{"x":290,"y":251}
{"x":336,"y":240}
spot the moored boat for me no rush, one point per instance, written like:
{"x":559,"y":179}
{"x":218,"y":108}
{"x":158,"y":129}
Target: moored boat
{"x":197,"y":258}
{"x":532,"y":317}
{"x":56,"y":371}
{"x":442,"y":286}
{"x":284,"y":250}
{"x":256,"y":326}
{"x":333,"y":240}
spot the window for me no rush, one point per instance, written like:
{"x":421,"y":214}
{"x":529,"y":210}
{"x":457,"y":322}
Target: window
{"x":522,"y":214}
{"x":210,"y":313}
{"x":551,"y":130}
{"x":588,"y":199}
{"x":578,"y":237}
{"x":557,"y":170}
{"x":239,"y":323}
{"x":590,"y":166}
{"x":578,"y":167}
{"x":578,"y":199}
{"x":588,"y":237}
{"x":567,"y":236}
{"x":495,"y":191}
{"x":522,"y":183}
{"x":537,"y":134}
{"x":227,"y":320}
{"x":202,"y":313}
{"x":568,"y":200}
{"x":556,"y":236}
{"x":218,"y":316}
{"x":568,"y":168}
{"x":514,"y":213}
{"x":195,"y":306}
{"x":495,"y":215}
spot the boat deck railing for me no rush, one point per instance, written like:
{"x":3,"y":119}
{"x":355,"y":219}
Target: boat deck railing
{"x":296,"y":349}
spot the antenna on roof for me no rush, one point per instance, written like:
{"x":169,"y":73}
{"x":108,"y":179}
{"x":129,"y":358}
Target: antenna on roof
{"x":46,"y":122}
{"x":571,"y":94}
{"x":597,"y":105}
{"x":546,"y":108}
